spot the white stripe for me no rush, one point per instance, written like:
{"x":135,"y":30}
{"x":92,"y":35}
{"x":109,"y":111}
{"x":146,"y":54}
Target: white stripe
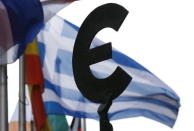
{"x":64,"y":81}
{"x":117,"y":106}
{"x":109,"y":66}
{"x":157,"y":97}
{"x":69,"y":104}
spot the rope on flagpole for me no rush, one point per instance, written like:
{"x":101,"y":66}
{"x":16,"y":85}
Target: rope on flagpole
{"x":3,"y":99}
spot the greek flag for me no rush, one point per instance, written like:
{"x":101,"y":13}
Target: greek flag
{"x":145,"y":96}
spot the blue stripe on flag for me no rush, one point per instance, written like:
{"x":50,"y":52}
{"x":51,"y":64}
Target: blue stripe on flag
{"x":124,"y":60}
{"x":65,"y":92}
{"x":76,"y":28}
{"x":62,"y":65}
{"x":77,"y":96}
{"x":56,"y":108}
{"x":69,"y":32}
{"x":64,"y":57}
{"x":142,"y":112}
{"x":146,"y":89}
{"x":147,"y":100}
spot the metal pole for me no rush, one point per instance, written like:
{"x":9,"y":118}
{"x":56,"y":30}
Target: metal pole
{"x":3,"y":99}
{"x":83,"y":124}
{"x":22,"y":96}
{"x":32,"y":126}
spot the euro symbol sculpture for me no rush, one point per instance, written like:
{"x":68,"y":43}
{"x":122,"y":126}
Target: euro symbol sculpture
{"x":99,"y":90}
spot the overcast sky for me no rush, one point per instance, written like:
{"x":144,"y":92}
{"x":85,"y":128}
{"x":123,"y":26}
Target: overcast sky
{"x":159,"y":34}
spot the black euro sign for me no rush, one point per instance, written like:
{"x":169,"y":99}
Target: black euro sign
{"x":95,"y":89}
{"x":99,"y":90}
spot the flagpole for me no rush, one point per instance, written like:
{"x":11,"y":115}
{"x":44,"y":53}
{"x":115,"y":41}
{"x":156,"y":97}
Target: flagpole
{"x":32,"y":126}
{"x":83,"y":124}
{"x":22,"y":96}
{"x":3,"y":99}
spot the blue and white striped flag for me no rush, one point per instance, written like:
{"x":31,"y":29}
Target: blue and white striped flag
{"x":145,"y":96}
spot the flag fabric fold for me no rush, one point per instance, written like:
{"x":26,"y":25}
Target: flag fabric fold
{"x":145,"y":96}
{"x":20,"y":24}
